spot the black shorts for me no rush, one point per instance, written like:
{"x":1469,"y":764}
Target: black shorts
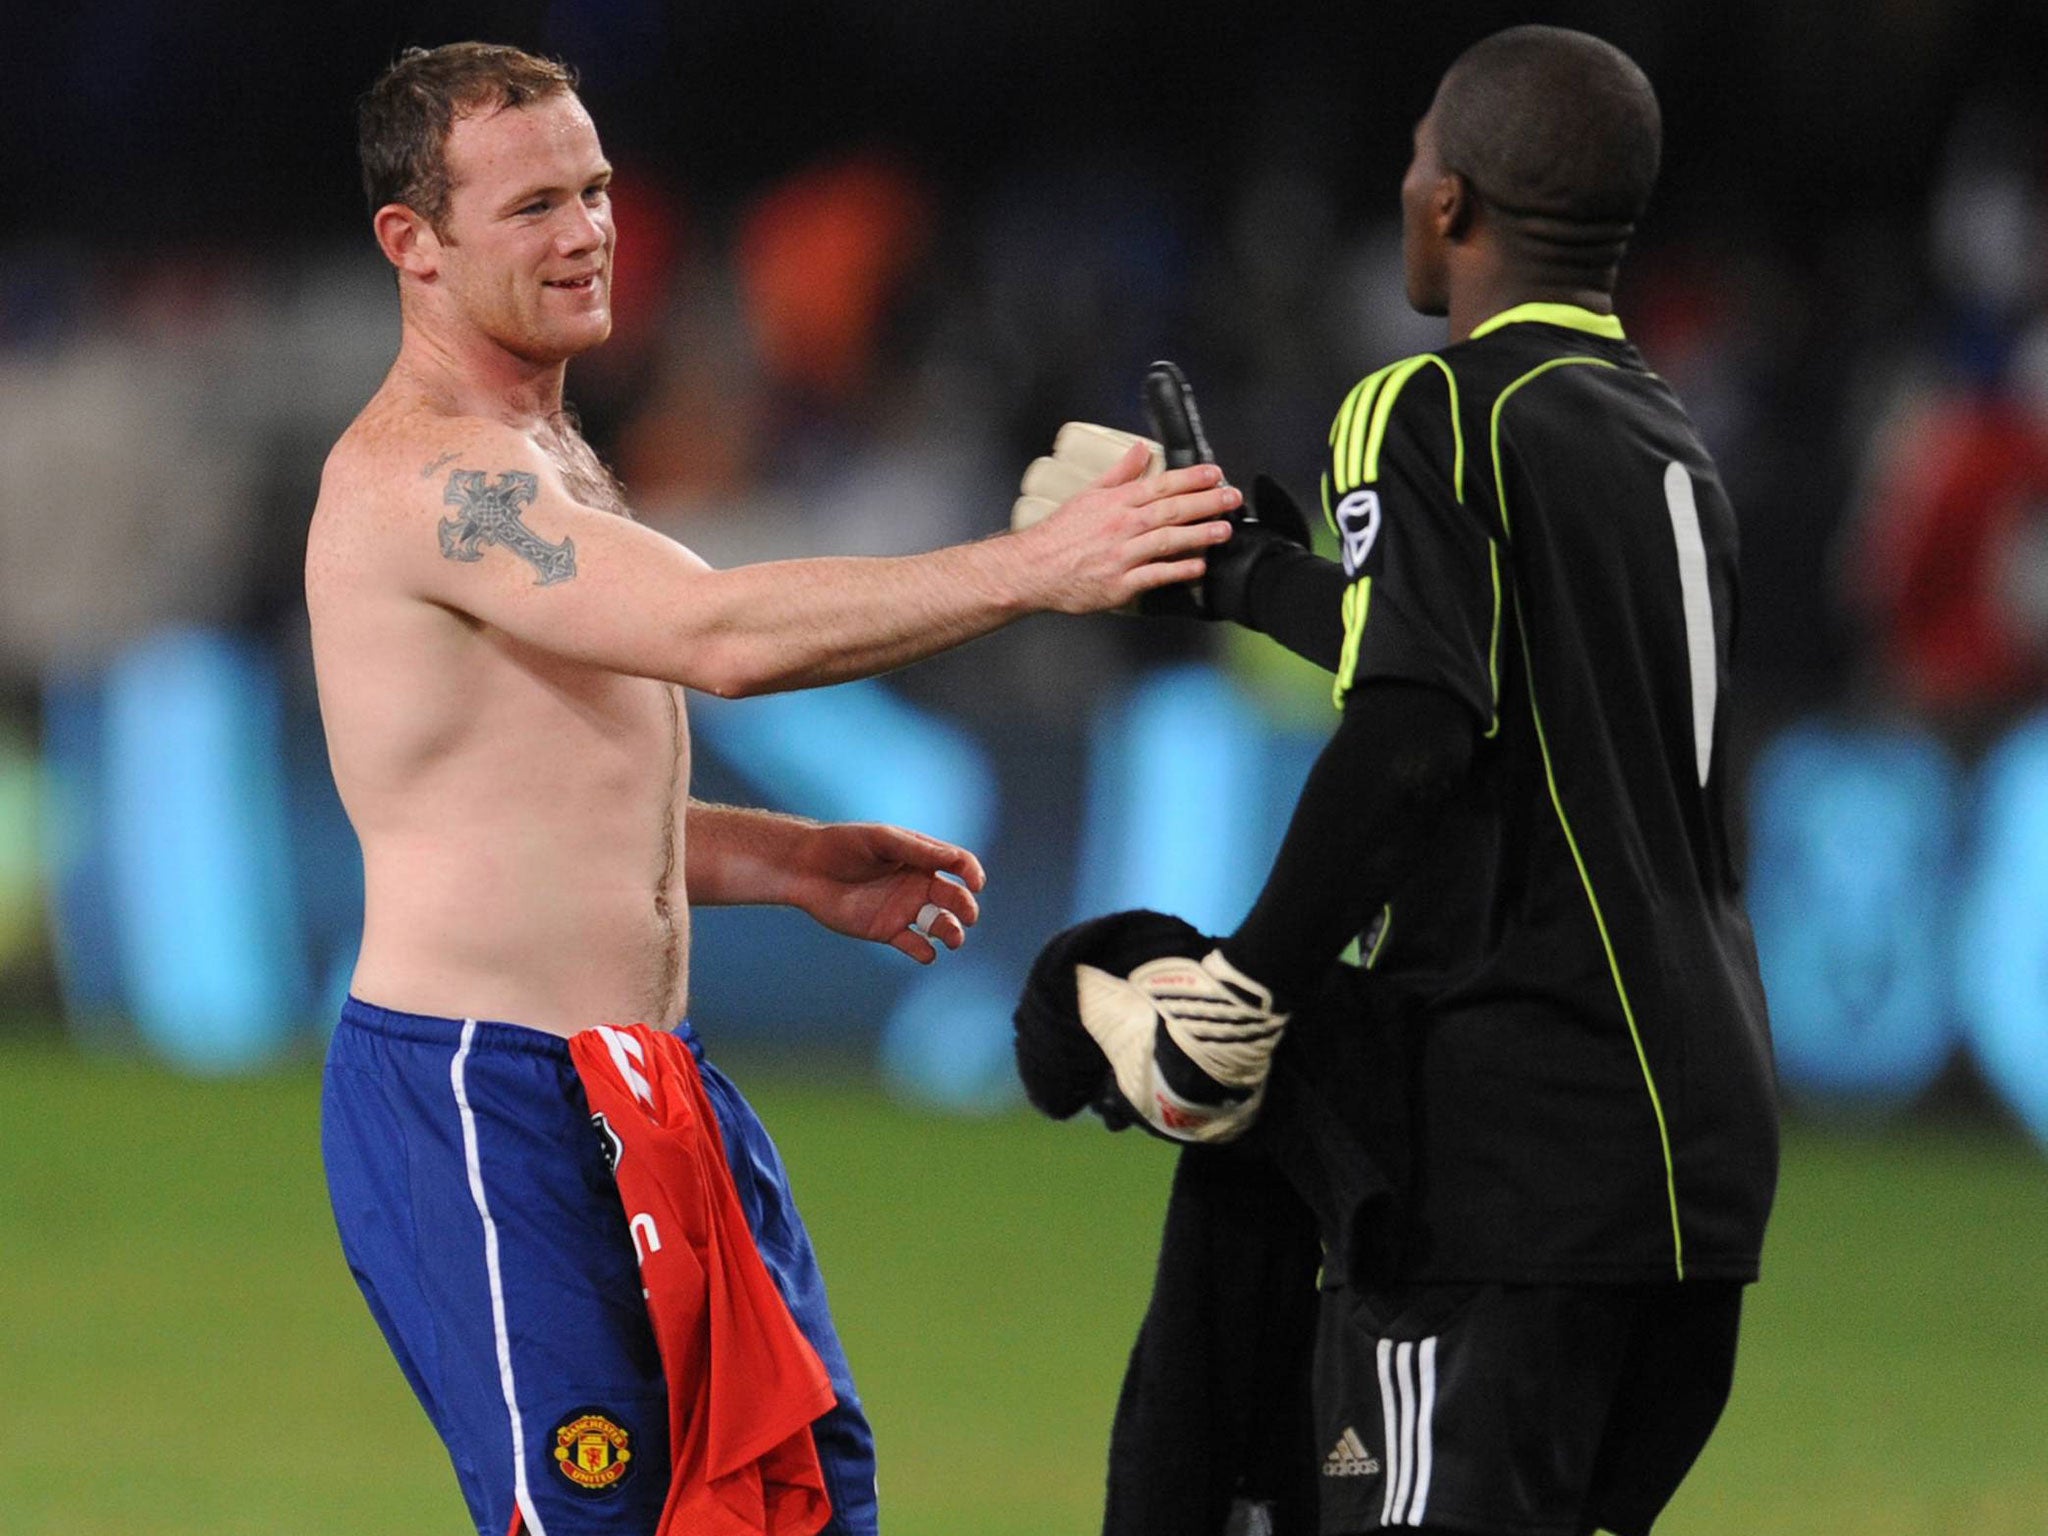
{"x":1518,"y":1410}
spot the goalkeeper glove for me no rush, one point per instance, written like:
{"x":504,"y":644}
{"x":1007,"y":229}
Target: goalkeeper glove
{"x":1267,"y":521}
{"x":1191,"y":1041}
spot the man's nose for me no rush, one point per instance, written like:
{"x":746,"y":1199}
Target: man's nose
{"x":583,"y":230}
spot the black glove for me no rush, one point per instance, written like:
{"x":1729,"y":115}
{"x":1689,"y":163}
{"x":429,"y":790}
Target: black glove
{"x":1170,"y":408}
{"x":1063,"y":1067}
{"x":1267,"y":521}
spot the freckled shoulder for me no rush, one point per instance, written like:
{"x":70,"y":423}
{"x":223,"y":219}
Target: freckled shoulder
{"x":390,"y":469}
{"x":384,"y":487}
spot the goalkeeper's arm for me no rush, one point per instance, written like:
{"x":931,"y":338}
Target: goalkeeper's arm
{"x":1280,"y":589}
{"x":1362,"y":824}
{"x":1191,"y":1041}
{"x":1267,"y":577}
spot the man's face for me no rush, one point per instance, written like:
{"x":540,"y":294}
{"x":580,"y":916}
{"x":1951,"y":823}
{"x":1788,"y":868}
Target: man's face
{"x":1422,"y":243}
{"x":526,"y":243}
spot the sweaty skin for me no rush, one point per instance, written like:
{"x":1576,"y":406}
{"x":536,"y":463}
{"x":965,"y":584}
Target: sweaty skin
{"x":502,"y":651}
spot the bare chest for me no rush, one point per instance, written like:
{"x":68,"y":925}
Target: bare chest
{"x":584,"y":475}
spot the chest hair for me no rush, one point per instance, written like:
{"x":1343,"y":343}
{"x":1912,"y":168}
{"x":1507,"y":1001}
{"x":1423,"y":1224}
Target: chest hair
{"x":587,"y":477}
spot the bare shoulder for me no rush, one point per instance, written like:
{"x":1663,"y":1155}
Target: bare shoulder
{"x":400,"y":471}
{"x":394,"y":465}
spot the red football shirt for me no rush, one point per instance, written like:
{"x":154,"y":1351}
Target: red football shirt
{"x":744,"y":1383}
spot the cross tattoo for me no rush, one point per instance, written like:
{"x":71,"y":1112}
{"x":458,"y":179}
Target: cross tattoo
{"x":490,"y":515}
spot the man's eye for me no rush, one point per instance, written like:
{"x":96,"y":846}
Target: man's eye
{"x":538,"y":206}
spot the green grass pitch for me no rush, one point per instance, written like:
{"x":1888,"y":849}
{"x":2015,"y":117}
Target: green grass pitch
{"x":182,"y":1352}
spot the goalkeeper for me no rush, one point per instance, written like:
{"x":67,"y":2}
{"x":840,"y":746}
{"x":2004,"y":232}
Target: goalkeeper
{"x":1522,"y":814}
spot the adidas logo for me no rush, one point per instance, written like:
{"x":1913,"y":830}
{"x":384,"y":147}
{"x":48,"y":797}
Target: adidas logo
{"x":1349,"y":1457}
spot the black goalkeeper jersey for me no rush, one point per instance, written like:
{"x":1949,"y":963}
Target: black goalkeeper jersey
{"x":1531,"y":523}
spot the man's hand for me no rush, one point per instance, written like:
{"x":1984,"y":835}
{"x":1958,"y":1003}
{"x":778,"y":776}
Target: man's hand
{"x":1127,"y":533}
{"x":1082,"y":454}
{"x":887,"y":884}
{"x":1190,"y":1041}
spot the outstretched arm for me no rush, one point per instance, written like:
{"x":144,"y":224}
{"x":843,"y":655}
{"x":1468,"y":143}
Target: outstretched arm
{"x":862,"y":879}
{"x":496,"y":536}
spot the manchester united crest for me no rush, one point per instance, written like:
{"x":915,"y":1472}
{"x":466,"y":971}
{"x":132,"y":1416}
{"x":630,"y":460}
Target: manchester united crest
{"x":593,"y":1450}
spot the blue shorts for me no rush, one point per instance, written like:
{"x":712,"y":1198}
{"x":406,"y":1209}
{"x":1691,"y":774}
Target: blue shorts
{"x":481,"y":1222}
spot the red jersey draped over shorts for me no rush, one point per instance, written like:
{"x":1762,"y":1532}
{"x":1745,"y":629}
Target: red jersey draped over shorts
{"x":744,"y":1384}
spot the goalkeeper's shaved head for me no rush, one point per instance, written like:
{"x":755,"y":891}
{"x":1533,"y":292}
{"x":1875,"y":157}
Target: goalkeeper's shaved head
{"x":1557,"y":135}
{"x":1552,"y":126}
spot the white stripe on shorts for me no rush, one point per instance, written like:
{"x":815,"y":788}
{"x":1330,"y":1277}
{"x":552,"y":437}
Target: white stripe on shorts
{"x":1407,"y":1412}
{"x":1425,"y":1431}
{"x":1390,"y":1427}
{"x":520,"y":1492}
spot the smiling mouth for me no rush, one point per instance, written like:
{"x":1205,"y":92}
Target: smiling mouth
{"x":581,"y":284}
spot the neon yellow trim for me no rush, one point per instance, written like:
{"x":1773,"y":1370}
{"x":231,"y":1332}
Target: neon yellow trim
{"x":1357,"y":599}
{"x":1340,"y":446}
{"x":1351,"y":441}
{"x":1628,"y":1011}
{"x":1500,"y":495}
{"x":1493,"y":646}
{"x":1383,"y":408}
{"x":1380,"y":943}
{"x":1338,"y":423}
{"x":1571,"y":316}
{"x":1383,"y":411}
{"x":1359,"y":450}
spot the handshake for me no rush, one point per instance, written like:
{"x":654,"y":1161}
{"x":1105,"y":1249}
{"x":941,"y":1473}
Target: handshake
{"x":1083,"y":452}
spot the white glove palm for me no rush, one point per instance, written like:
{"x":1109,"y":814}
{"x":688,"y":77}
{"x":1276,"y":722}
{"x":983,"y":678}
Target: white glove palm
{"x":1173,"y":1014}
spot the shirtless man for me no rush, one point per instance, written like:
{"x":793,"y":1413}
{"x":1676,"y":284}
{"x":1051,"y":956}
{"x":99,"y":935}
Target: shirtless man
{"x":501,"y":651}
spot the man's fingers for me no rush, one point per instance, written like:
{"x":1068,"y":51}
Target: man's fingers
{"x":1212,"y":505}
{"x":1049,"y":484}
{"x":935,"y":925}
{"x":964,"y":866}
{"x":948,"y":911}
{"x":916,"y":850}
{"x":941,"y":858}
{"x":1181,"y":482}
{"x":1164,"y":573}
{"x":947,"y":899}
{"x":1127,"y":468}
{"x":1177,"y":540}
{"x":944,"y":928}
{"x":915,"y":945}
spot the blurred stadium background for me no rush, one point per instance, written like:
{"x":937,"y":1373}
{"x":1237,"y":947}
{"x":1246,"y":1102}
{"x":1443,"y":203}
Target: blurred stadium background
{"x":872,"y":253}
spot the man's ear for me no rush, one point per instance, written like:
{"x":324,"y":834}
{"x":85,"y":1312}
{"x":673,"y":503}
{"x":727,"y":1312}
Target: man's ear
{"x":1455,"y":205}
{"x":407,"y":240}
